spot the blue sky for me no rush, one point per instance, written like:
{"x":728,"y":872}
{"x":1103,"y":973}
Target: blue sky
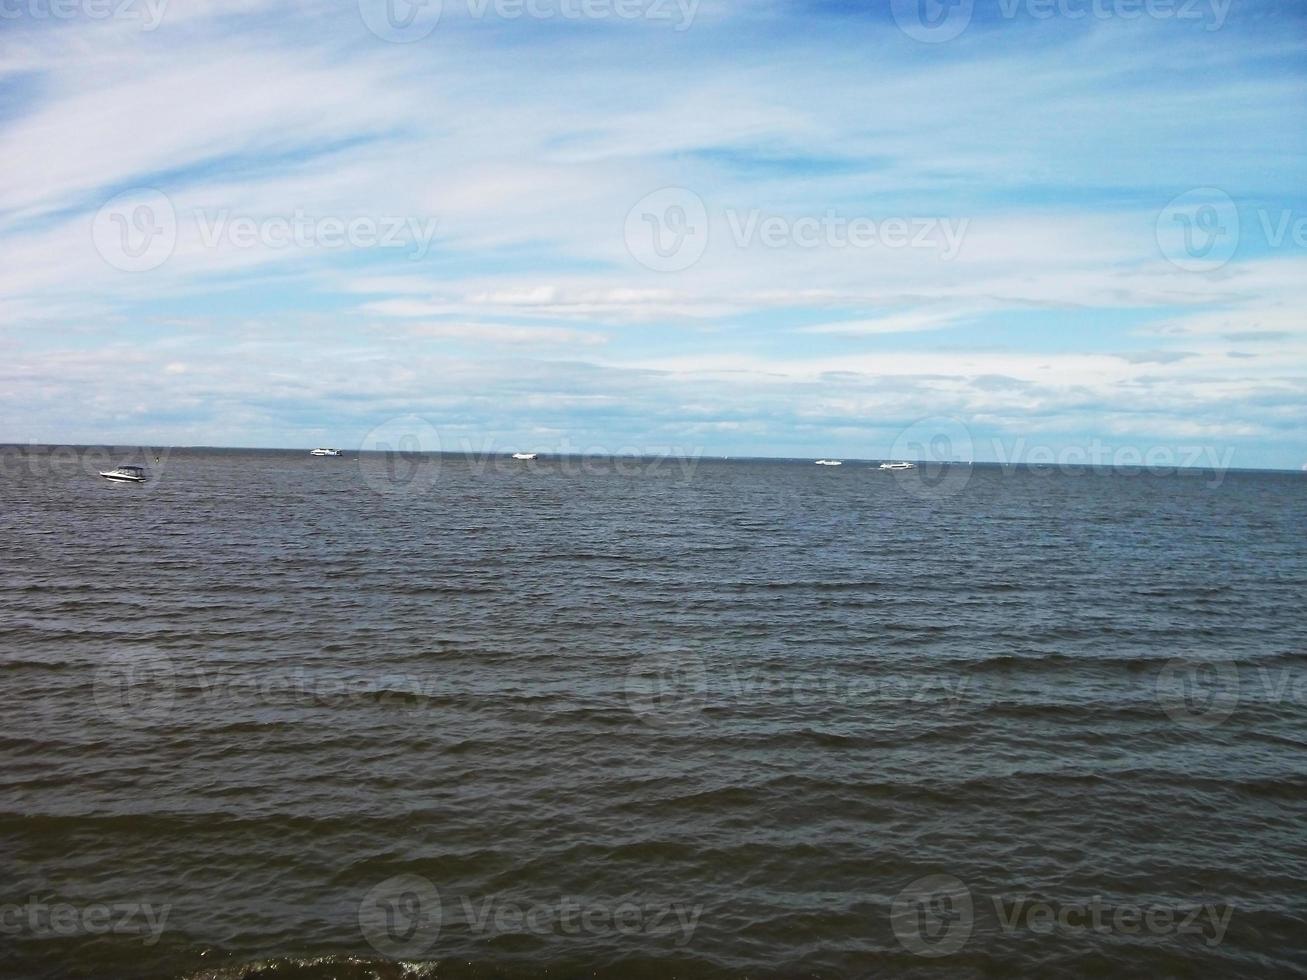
{"x":766,"y":228}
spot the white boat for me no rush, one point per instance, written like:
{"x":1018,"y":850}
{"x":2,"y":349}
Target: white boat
{"x":830,"y":462}
{"x":324,"y":452}
{"x":524,"y":455}
{"x":125,"y":474}
{"x":898,"y":466}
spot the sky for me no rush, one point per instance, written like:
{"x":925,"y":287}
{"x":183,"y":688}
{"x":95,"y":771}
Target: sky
{"x":780,"y":228}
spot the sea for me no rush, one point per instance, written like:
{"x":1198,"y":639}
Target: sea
{"x":269,"y":715}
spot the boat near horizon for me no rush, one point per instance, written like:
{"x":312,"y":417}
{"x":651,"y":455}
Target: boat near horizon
{"x":524,"y":455}
{"x":830,"y":462}
{"x":324,"y":452}
{"x":898,"y":466}
{"x":125,"y":474}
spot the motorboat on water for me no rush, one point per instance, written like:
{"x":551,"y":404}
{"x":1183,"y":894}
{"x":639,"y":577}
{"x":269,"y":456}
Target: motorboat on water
{"x":125,"y":474}
{"x":324,"y":452}
{"x":830,"y":462}
{"x":524,"y":455}
{"x":898,"y":466}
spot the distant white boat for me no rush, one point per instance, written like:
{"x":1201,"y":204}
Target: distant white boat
{"x":125,"y":474}
{"x":524,"y":455}
{"x":898,"y":466}
{"x":830,"y":462}
{"x":324,"y":452}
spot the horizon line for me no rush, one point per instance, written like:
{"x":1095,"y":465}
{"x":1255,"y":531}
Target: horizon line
{"x":486,"y":454}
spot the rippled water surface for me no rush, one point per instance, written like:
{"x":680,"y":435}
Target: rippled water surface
{"x":272,"y":715}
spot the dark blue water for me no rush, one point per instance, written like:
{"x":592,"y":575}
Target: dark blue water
{"x":269,"y":715}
